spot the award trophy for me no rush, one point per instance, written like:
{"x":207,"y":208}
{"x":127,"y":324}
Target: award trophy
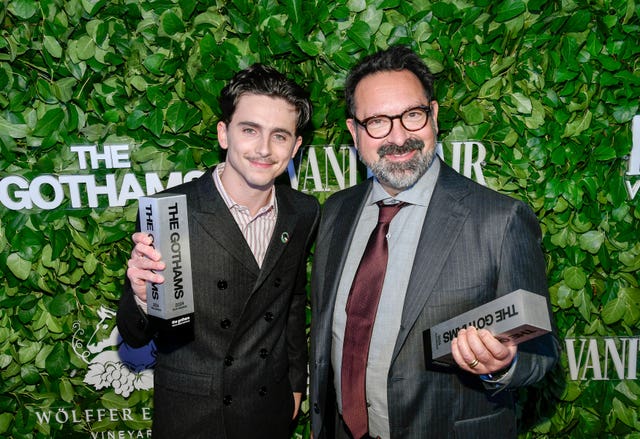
{"x":512,"y":319}
{"x":170,"y":304}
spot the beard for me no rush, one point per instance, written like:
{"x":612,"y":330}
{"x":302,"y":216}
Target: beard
{"x":401,"y":176}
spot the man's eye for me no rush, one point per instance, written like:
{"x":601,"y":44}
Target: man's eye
{"x":376,"y":122}
{"x":248,"y":131}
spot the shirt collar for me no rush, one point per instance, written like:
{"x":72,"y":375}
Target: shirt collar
{"x":231,"y":204}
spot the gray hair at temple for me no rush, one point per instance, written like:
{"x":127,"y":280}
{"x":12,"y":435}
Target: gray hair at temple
{"x":260,"y":79}
{"x":395,"y":58}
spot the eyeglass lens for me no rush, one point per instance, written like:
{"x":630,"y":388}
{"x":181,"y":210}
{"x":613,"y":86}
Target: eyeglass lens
{"x":413,"y":119}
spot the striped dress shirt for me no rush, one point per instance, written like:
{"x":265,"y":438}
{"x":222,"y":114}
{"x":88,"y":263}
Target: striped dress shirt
{"x":257,"y":229}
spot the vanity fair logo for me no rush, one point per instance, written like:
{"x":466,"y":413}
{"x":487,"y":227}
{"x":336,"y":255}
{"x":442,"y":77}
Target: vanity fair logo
{"x":634,"y":159}
{"x":330,"y":168}
{"x":602,"y":358}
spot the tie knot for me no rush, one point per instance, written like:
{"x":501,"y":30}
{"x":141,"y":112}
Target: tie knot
{"x":388,"y":211}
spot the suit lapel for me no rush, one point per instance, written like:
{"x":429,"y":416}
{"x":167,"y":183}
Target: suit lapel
{"x":216,"y":220}
{"x":441,"y":228}
{"x":342,"y":227}
{"x":285,"y":226}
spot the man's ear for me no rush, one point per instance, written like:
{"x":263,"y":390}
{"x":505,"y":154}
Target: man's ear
{"x":434,"y":114}
{"x":296,"y":147}
{"x":222,"y":135}
{"x":353,"y":129}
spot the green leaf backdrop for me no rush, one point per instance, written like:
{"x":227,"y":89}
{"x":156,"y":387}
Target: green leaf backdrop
{"x":550,"y":87}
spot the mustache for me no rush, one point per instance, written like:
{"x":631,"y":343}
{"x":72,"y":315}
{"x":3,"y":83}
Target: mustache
{"x":265,"y":160}
{"x":408,"y":146}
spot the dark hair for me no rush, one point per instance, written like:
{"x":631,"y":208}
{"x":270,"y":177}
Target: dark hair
{"x":264,"y":80}
{"x":395,"y":58}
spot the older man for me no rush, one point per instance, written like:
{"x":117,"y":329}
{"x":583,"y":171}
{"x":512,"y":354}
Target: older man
{"x":441,"y":245}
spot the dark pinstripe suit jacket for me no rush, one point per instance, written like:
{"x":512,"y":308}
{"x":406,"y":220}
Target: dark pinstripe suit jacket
{"x":475,"y":245}
{"x":249,"y":353}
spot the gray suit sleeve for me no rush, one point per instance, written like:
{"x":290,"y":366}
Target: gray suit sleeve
{"x":522,"y":265}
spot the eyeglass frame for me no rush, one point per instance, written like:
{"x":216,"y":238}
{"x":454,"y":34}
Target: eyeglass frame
{"x":363,"y":123}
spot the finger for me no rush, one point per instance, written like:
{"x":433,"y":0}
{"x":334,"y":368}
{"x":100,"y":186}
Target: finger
{"x":477,"y":346}
{"x":492,"y":354}
{"x":143,"y":251}
{"x":144,"y":263}
{"x":494,"y":347}
{"x":143,"y":246}
{"x":464,"y":355}
{"x":142,"y":237}
{"x":141,"y":294}
{"x":138,"y":285}
{"x":457,"y":356}
{"x":139,"y":277}
{"x":469,"y":366}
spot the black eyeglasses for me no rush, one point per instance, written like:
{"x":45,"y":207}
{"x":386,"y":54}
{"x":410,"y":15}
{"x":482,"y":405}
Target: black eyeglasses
{"x":413,"y":119}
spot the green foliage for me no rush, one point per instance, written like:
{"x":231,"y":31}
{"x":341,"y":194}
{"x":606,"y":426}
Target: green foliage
{"x":549,"y":87}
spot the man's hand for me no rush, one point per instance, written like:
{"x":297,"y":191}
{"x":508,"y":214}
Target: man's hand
{"x":297,"y":400}
{"x":479,"y":352}
{"x":144,"y":259}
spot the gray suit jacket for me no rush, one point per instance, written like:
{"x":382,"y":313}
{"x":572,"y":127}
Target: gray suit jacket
{"x":475,"y":245}
{"x":249,"y":350}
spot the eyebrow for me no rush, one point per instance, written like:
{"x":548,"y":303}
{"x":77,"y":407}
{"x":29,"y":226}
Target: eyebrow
{"x":412,"y":107}
{"x":258,"y":126}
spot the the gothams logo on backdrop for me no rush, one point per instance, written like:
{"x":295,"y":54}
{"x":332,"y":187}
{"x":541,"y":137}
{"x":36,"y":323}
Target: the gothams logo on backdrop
{"x":50,"y":191}
{"x":102,"y":178}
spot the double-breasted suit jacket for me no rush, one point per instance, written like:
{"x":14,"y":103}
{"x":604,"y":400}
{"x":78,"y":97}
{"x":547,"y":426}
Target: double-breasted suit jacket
{"x":235,"y":379}
{"x":475,"y":245}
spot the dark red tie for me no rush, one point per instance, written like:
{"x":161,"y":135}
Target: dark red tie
{"x":361,"y":308}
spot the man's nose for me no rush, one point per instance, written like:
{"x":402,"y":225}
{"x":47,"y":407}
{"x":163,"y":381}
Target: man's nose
{"x":264,"y":146}
{"x":398,"y":134}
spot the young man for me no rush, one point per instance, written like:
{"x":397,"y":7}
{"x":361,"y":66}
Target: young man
{"x":453,"y":245}
{"x":243,"y":374}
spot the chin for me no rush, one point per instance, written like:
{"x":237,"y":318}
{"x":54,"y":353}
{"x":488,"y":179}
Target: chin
{"x":400,"y":184}
{"x":262,"y":184}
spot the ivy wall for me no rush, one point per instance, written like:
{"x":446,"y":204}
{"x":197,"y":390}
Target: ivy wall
{"x":548,"y":87}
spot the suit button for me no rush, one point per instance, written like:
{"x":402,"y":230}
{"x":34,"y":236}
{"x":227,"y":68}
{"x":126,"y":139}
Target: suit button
{"x":316,"y":408}
{"x":222,"y":284}
{"x":277,"y":282}
{"x":264,"y":353}
{"x":268,"y":316}
{"x":225,"y":323}
{"x":262,"y":391}
{"x":228,"y":360}
{"x":141,"y":323}
{"x":227,"y":400}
